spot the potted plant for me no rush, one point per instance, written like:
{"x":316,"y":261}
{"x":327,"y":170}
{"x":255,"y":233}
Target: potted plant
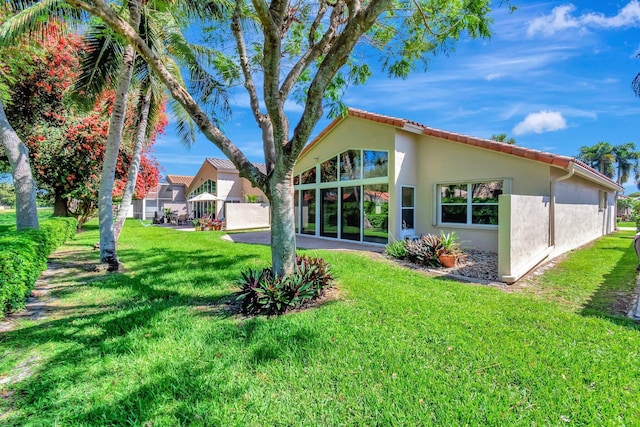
{"x":196,"y":223}
{"x":217,"y":224}
{"x":449,"y":249}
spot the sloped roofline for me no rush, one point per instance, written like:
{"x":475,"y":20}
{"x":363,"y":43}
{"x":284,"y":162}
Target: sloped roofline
{"x":219,"y":165}
{"x":179,"y":179}
{"x":557,"y":160}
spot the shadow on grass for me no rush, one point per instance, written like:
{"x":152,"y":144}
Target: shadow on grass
{"x":613,"y":298}
{"x":109,"y":366}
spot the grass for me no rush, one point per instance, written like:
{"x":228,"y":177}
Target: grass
{"x":155,"y":344}
{"x":8,"y":218}
{"x":627,"y":224}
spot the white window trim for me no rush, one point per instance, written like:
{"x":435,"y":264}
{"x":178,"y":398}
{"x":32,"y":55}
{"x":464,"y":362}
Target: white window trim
{"x":437,"y":203}
{"x":402,"y":208}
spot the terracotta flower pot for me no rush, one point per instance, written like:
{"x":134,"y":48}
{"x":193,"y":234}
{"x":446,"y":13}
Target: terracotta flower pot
{"x":447,"y":261}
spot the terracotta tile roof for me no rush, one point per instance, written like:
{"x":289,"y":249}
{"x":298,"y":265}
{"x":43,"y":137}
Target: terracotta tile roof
{"x":180,"y":179}
{"x":515,"y":150}
{"x":228,"y":164}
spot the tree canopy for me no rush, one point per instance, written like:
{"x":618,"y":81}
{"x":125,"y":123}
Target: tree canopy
{"x":616,"y":162}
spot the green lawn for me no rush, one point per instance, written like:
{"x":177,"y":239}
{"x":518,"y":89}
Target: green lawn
{"x":627,"y":224}
{"x":155,"y":345}
{"x":8,"y":218}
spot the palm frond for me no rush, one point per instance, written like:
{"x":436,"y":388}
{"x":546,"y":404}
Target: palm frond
{"x":99,"y":64}
{"x":33,"y":18}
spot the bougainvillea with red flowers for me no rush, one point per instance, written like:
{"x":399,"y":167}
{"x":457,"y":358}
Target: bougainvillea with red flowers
{"x":67,"y":145}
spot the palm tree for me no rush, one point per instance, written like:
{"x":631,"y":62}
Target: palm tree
{"x":18,"y":155}
{"x":502,"y":137}
{"x":162,"y":31}
{"x":30,"y":18}
{"x":626,"y":157}
{"x":600,"y":157}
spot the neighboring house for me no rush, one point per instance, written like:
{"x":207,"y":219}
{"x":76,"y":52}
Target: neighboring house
{"x":170,"y":194}
{"x":220,"y":179}
{"x":374,"y":179}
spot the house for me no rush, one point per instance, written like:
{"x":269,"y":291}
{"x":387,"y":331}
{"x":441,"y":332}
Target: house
{"x":372,"y":178}
{"x":167,"y":195}
{"x":217,"y":191}
{"x":225,"y":192}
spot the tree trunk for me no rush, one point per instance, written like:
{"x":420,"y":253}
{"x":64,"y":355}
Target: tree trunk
{"x":108,"y":253}
{"x":26,"y":208}
{"x":60,"y":205}
{"x":283,"y":237}
{"x":134,"y":167}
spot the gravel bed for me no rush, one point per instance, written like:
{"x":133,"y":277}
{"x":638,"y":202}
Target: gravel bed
{"x":476,"y":265}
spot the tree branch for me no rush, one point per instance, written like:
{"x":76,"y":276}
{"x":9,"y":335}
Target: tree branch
{"x":272,"y":20}
{"x":336,"y":57}
{"x":244,"y":64}
{"x":261,"y":119}
{"x":315,"y":51}
{"x":100,"y":9}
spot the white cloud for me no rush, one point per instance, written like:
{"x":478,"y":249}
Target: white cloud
{"x":559,"y":19}
{"x":562,"y":18}
{"x":543,"y":121}
{"x":493,"y":76}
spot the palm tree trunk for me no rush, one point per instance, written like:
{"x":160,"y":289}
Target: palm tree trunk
{"x":134,"y":167}
{"x":26,"y":208}
{"x":108,"y":253}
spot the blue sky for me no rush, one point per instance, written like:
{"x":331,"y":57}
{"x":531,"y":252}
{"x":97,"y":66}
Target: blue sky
{"x":555,"y":76}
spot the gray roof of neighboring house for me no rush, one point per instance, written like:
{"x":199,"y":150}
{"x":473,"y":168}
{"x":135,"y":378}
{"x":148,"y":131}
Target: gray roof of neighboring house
{"x":180,"y":179}
{"x":228,"y":164}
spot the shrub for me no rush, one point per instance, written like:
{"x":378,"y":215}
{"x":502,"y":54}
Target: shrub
{"x":424,"y":250}
{"x":397,"y":249}
{"x":264,"y":293}
{"x":23,"y":255}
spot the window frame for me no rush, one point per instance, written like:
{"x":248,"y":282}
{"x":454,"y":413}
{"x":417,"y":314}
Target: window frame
{"x":403,"y":208}
{"x":469,"y":203}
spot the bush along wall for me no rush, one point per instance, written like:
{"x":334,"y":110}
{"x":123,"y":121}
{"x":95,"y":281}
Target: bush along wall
{"x":23,"y":256}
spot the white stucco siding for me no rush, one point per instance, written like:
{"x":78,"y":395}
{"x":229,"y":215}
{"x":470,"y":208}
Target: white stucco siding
{"x":247,"y":215}
{"x":523,"y":234}
{"x":580,"y":218}
{"x":229,"y":186}
{"x":404,"y":171}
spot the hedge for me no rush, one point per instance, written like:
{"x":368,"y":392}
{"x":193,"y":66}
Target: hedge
{"x":23,"y":256}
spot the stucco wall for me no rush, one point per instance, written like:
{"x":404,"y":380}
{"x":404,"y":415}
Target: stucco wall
{"x":405,"y":173}
{"x":248,"y":189}
{"x":442,"y":162}
{"x":246,"y":215}
{"x":579,"y":218}
{"x":523,"y":235}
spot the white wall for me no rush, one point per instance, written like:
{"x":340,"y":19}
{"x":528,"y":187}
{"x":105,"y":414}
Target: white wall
{"x":241,"y":216}
{"x":404,"y":171}
{"x":523,"y":234}
{"x":579,"y":218}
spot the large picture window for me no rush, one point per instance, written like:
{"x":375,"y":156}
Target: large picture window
{"x":350,"y":194}
{"x":470,"y":203}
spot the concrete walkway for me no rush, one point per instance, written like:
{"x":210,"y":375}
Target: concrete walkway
{"x":303,"y":242}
